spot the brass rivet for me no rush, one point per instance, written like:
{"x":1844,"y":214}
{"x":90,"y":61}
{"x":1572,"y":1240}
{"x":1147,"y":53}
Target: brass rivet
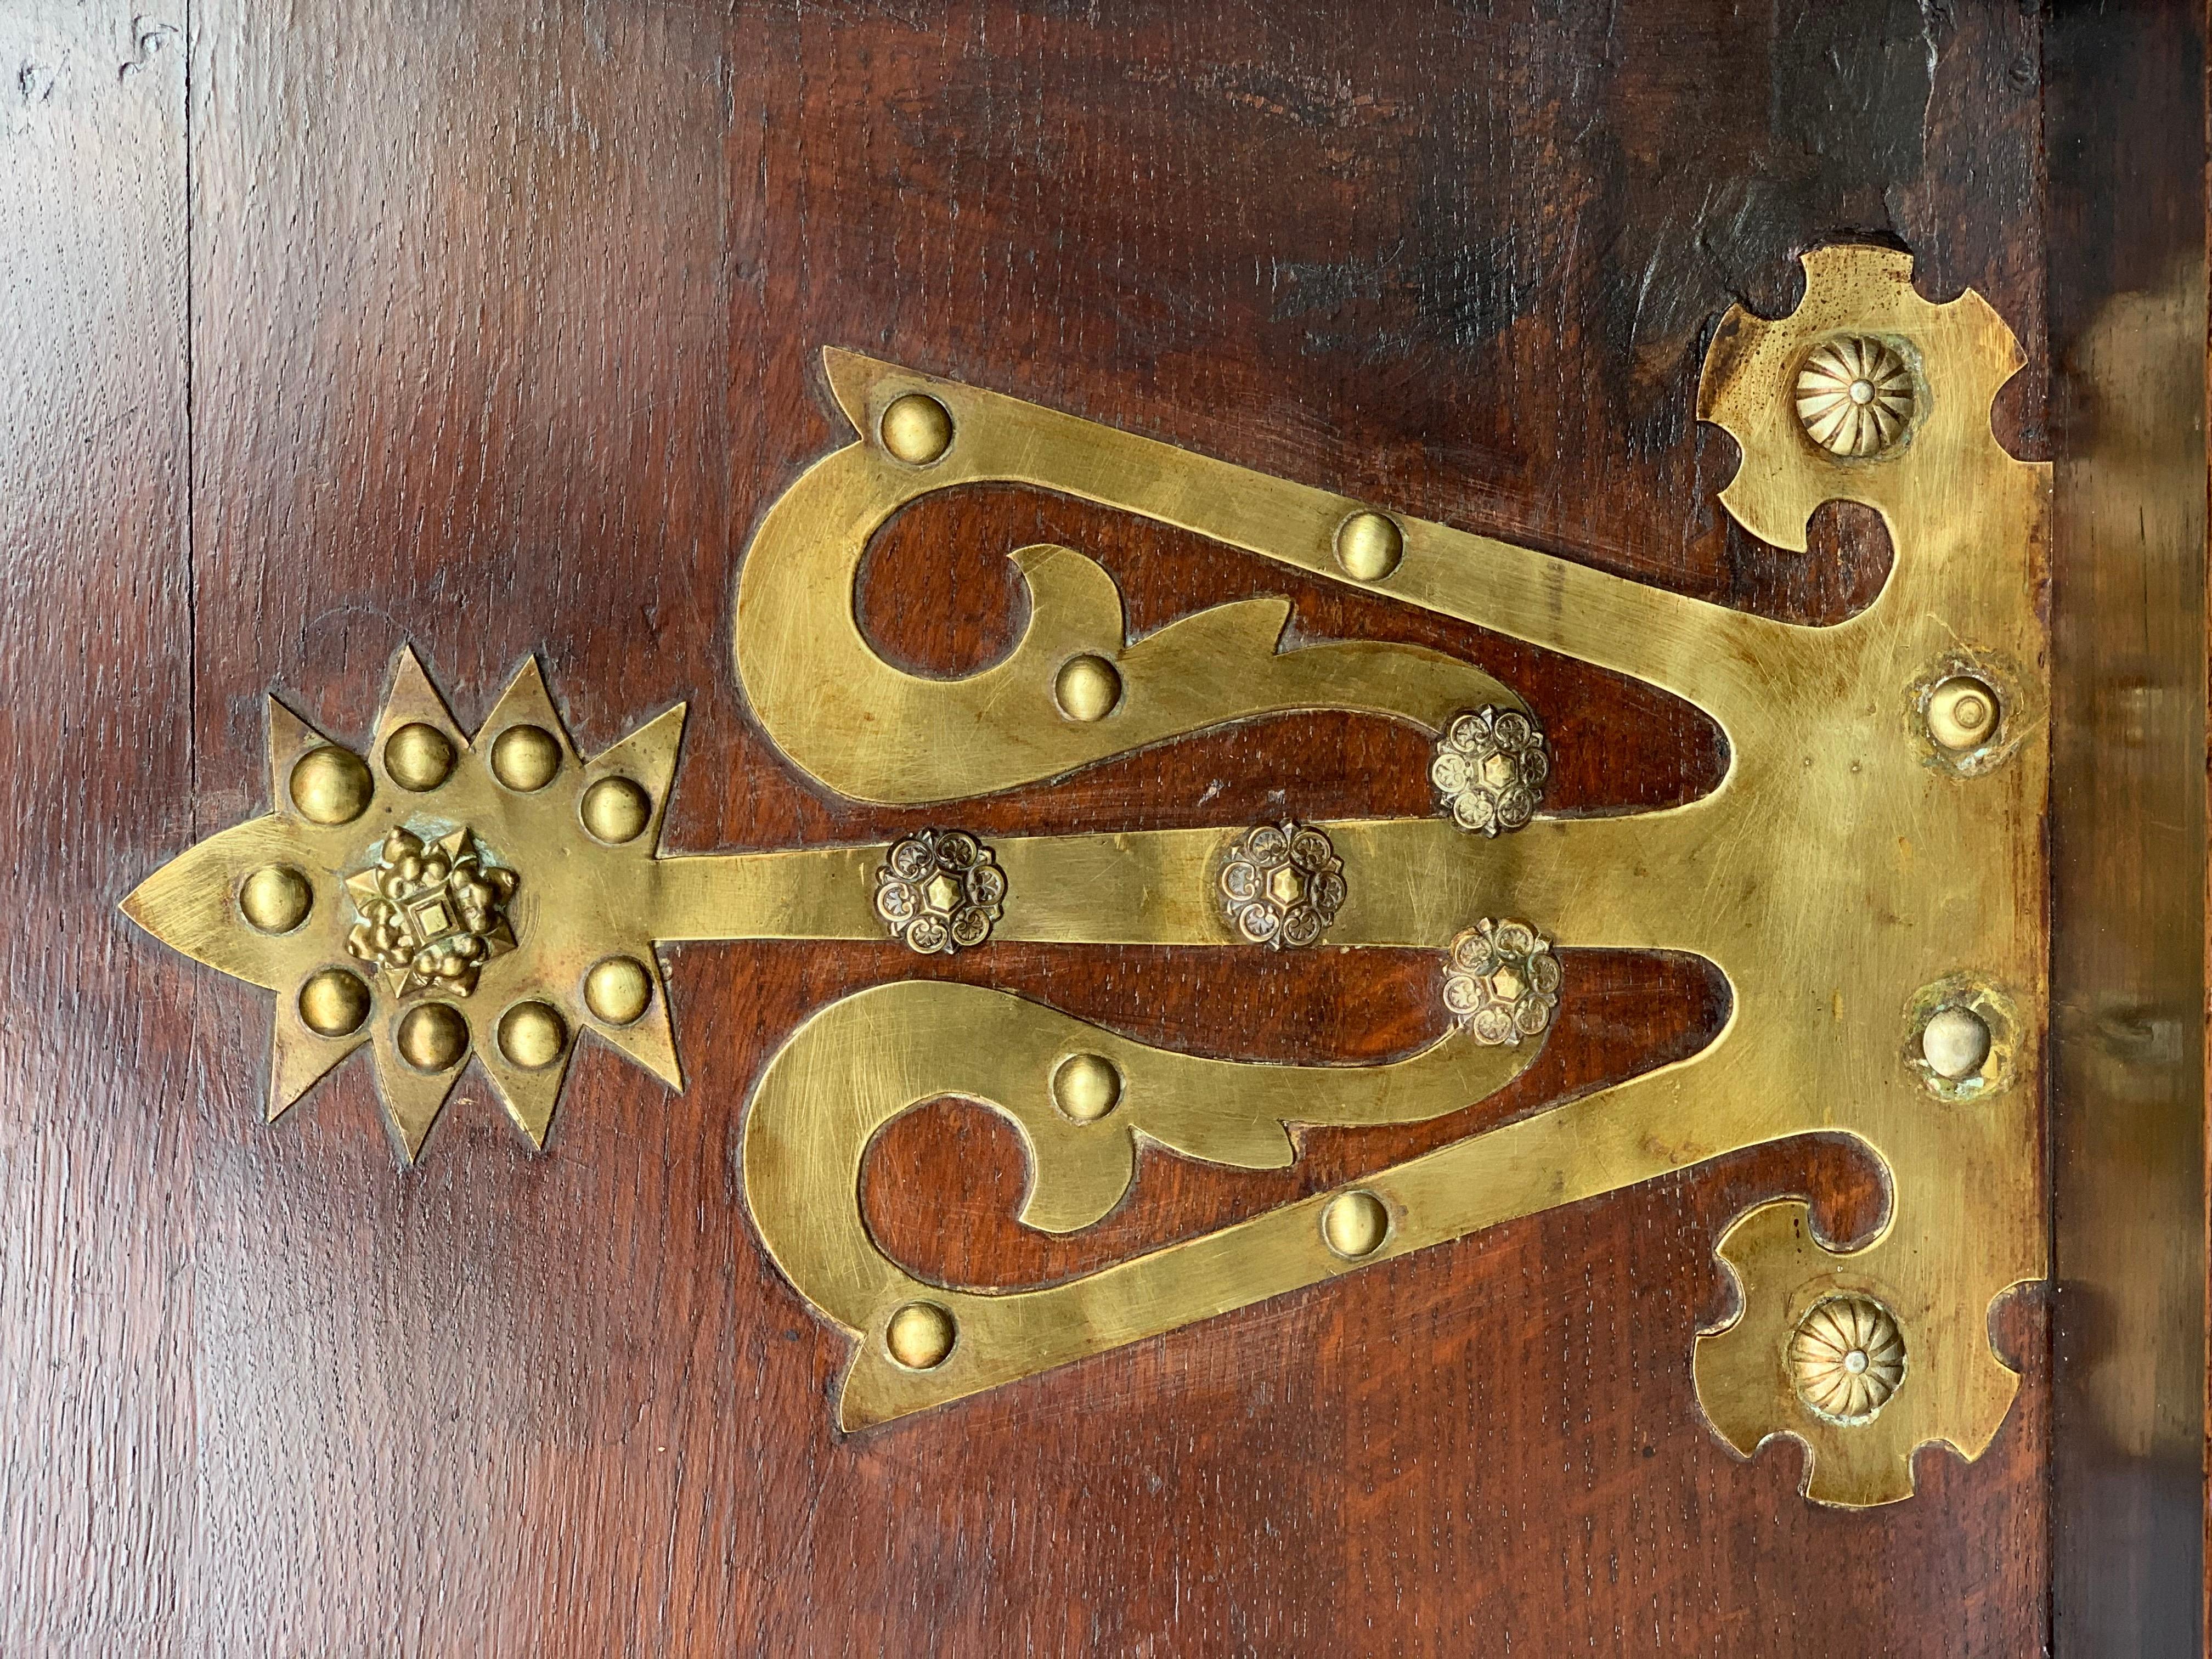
{"x":615,"y":809}
{"x":1354,"y":1224}
{"x":1087,"y":689}
{"x":418,"y":756}
{"x":433,"y":1037}
{"x":1955,"y":1043}
{"x":919,"y":1335}
{"x":531,"y":1035}
{"x":617,"y":990}
{"x":1086,"y":1087}
{"x":916,"y":428}
{"x":1962,"y":713}
{"x":524,"y":758}
{"x":331,"y":786}
{"x":1369,"y":546}
{"x":276,"y":899}
{"x":334,"y":1003}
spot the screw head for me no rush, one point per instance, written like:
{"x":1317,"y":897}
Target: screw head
{"x":1955,"y":1043}
{"x":1962,"y":713}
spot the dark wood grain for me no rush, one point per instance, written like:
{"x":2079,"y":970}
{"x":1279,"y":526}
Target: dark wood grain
{"x":97,"y":1070}
{"x":503,"y":334}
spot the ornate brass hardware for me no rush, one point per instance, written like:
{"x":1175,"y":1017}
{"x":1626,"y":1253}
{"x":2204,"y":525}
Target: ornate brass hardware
{"x":1867,"y":875}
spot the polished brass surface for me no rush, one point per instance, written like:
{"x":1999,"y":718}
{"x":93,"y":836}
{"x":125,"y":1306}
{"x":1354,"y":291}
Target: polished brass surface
{"x":1842,"y":868}
{"x":871,"y":731}
{"x":1855,"y":880}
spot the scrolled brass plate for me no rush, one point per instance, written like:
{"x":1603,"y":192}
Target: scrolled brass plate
{"x":1868,"y":875}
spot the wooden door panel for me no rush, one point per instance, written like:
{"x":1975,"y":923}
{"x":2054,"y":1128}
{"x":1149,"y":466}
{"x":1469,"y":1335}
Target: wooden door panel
{"x":499,"y":332}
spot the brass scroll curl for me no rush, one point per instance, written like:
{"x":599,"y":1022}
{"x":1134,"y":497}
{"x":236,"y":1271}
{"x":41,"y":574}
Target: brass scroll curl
{"x":1872,"y":848}
{"x":875,"y":733}
{"x":862,"y":1062}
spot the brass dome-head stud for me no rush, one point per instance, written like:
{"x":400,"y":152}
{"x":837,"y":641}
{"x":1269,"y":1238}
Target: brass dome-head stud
{"x":531,"y":1036}
{"x":617,"y":990}
{"x":1086,"y":1087}
{"x":615,"y":811}
{"x":1369,"y":545}
{"x":334,"y":1003}
{"x":433,"y":1037}
{"x":418,"y":756}
{"x":275,"y":899}
{"x":1087,"y":688}
{"x":331,"y":784}
{"x":919,"y":1335}
{"x":1354,"y":1224}
{"x":524,"y":758}
{"x":916,"y":428}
